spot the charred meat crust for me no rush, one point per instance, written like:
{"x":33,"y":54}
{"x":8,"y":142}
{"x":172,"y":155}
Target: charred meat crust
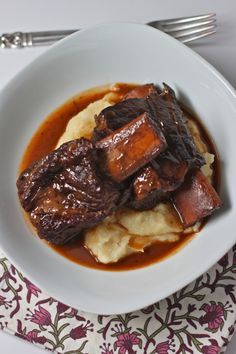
{"x":42,"y":172}
{"x":64,"y":192}
{"x":180,"y":121}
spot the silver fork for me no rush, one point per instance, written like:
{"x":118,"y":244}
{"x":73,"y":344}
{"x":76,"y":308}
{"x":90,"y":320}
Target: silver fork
{"x":185,"y":29}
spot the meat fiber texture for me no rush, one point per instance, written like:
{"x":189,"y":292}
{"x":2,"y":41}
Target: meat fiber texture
{"x":64,"y":193}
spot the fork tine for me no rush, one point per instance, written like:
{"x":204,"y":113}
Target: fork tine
{"x":186,"y":19}
{"x":180,"y":34}
{"x":192,"y":38}
{"x":181,"y":27}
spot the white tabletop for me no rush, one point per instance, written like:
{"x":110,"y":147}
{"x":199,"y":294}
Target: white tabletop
{"x":28,"y":15}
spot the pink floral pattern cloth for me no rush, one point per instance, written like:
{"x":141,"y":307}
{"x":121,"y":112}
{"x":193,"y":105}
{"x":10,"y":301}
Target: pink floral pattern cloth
{"x":200,"y":318}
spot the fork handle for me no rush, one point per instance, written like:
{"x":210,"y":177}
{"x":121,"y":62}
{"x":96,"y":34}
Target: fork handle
{"x":29,"y":39}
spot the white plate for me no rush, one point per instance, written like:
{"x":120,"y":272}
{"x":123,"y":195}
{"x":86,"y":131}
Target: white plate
{"x":105,"y":54}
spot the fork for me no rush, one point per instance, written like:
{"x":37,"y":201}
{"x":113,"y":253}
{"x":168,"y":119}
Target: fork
{"x":185,"y":29}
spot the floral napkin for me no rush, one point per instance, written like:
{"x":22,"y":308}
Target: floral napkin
{"x":200,"y":318}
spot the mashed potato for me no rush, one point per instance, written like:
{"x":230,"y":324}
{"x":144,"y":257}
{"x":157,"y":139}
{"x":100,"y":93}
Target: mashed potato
{"x":128,"y":231}
{"x":83,"y":123}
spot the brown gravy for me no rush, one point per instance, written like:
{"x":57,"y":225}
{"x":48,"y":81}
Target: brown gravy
{"x":45,"y":140}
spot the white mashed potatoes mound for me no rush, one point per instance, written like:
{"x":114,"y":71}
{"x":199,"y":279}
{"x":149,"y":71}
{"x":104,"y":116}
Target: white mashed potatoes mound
{"x":128,"y":231}
{"x":83,"y":123}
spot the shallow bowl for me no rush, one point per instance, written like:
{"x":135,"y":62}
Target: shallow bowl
{"x":104,"y":54}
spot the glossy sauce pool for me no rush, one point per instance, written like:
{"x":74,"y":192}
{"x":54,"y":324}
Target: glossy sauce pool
{"x":45,"y":140}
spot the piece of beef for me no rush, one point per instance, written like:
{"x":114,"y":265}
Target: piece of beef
{"x":128,"y":149}
{"x":64,"y":192}
{"x":147,"y":189}
{"x":195,"y":199}
{"x":181,"y":146}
